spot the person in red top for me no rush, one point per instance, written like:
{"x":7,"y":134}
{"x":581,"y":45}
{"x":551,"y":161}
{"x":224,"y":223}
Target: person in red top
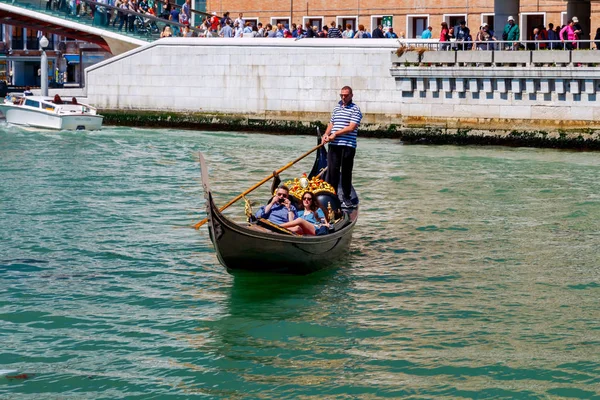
{"x":214,"y":25}
{"x":445,"y":36}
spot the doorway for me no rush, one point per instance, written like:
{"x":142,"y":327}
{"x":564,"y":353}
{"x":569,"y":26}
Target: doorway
{"x":416,"y":24}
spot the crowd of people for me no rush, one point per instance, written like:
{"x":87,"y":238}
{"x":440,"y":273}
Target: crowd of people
{"x":228,"y":27}
{"x":457,"y":37}
{"x":560,"y":37}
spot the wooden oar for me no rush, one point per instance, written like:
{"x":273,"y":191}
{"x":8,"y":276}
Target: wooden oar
{"x":205,"y":220}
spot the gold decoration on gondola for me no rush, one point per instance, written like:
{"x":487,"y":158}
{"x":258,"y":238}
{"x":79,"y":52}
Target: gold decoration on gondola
{"x":300,"y":185}
{"x":330,"y":213}
{"x":247,"y":208}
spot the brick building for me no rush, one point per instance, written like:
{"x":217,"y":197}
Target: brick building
{"x":412,"y":17}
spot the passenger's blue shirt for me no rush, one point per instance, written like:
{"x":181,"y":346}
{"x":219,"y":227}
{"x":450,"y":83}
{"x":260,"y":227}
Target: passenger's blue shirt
{"x":278,"y":214}
{"x":426,"y":34}
{"x":311,"y":217}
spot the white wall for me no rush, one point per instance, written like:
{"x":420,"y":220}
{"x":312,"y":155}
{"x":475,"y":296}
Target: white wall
{"x":299,"y":80}
{"x":247,"y":76}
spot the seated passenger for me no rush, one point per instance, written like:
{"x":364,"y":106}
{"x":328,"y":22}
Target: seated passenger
{"x":57,"y":99}
{"x":74,"y":101}
{"x":310,"y":221}
{"x":279,"y":210}
{"x":27,"y":92}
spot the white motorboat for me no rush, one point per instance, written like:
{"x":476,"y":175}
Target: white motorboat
{"x":50,"y":113}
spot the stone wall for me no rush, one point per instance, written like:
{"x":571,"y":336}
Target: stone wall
{"x":283,"y":84}
{"x":295,"y":79}
{"x":548,"y":87}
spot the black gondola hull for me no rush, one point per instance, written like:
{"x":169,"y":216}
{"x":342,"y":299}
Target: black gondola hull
{"x":241,"y":248}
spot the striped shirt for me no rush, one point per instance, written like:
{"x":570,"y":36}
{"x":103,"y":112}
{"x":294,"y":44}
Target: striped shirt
{"x":341,"y":117}
{"x":334,"y":33}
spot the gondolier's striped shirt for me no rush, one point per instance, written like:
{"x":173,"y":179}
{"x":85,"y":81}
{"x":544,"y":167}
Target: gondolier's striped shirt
{"x":341,"y":117}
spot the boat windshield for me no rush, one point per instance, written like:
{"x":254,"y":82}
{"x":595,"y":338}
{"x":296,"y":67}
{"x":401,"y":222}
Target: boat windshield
{"x":32,"y":103}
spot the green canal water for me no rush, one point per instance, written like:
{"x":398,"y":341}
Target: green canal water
{"x":474,"y":273}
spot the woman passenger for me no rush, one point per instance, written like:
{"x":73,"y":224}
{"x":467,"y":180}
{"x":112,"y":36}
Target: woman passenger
{"x":311,"y":220}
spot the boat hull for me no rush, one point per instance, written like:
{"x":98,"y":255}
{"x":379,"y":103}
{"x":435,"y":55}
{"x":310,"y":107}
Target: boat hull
{"x":39,"y":119}
{"x":240,"y":248}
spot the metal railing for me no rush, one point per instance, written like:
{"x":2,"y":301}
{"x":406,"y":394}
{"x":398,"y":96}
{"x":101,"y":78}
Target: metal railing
{"x":500,"y":45}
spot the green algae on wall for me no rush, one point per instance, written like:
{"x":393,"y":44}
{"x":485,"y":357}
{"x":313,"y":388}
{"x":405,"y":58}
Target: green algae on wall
{"x":220,"y":122}
{"x":409,"y":131}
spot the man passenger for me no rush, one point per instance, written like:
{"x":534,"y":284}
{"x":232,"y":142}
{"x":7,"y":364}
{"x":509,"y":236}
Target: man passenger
{"x":280,"y":209}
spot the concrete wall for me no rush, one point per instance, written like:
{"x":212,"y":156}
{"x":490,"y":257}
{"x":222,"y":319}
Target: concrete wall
{"x":287,"y":80}
{"x":255,"y":76}
{"x":546,"y":86}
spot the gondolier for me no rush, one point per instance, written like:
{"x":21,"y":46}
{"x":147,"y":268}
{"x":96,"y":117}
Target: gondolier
{"x":341,"y":134}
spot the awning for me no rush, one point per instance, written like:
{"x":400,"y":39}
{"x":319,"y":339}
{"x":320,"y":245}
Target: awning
{"x":72,"y":58}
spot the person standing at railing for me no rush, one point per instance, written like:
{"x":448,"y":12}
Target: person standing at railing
{"x":552,"y":37}
{"x":124,"y":7}
{"x":226,"y":30}
{"x":109,"y":11}
{"x":462,"y":34}
{"x":334,"y":32}
{"x":578,"y":30}
{"x":511,"y":34}
{"x":541,"y":38}
{"x":174,"y":17}
{"x":484,"y":36}
{"x":390,"y":34}
{"x":224,"y":20}
{"x":117,"y":16}
{"x":214,"y":25}
{"x":445,"y":36}
{"x":186,"y":14}
{"x":166,"y":10}
{"x":427,"y":33}
{"x":361,"y":33}
{"x":240,"y":20}
{"x":569,"y":33}
{"x":348,"y":33}
{"x":378,"y":32}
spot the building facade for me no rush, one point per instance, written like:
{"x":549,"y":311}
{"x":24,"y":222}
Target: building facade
{"x":411,"y":18}
{"x":20,"y":57}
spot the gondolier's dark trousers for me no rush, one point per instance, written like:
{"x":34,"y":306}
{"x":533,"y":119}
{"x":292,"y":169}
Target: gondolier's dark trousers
{"x":340,"y":157}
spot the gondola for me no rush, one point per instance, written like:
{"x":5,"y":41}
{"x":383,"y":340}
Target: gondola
{"x":258,"y":246}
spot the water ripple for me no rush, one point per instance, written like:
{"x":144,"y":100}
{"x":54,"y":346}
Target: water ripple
{"x":473,"y":274}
